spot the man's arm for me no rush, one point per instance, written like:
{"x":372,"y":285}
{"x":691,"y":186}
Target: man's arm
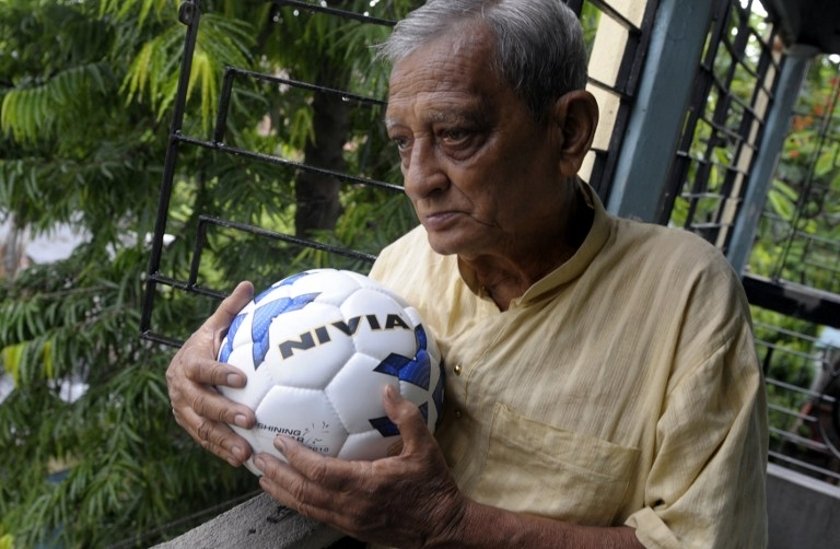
{"x":706,"y":485}
{"x":411,"y":500}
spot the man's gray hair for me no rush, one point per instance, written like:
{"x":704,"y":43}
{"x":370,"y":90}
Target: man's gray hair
{"x":539,"y":43}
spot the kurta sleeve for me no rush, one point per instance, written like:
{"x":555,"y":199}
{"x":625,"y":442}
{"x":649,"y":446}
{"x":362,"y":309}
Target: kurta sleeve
{"x":706,"y":485}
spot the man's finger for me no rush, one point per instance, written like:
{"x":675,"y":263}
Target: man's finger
{"x":294,"y":490}
{"x":230,"y":306}
{"x":207,"y":403}
{"x":209,"y":372}
{"x":322,"y":470}
{"x":408,"y":419}
{"x":219,"y":438}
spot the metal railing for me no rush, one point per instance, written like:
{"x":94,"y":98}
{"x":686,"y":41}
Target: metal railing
{"x":803,"y":389}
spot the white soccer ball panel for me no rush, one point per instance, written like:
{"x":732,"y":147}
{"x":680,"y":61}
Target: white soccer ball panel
{"x":371,"y":284}
{"x":278,"y":290}
{"x":384,"y":327}
{"x":362,"y":280}
{"x":414,"y":315}
{"x":305,"y":415}
{"x":306,"y":349}
{"x":356,"y":392}
{"x":249,"y":435}
{"x":332,"y":286}
{"x":369,"y":446}
{"x":253,"y":468}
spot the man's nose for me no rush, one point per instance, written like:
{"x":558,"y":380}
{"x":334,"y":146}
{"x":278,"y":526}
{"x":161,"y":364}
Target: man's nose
{"x":423,"y":174}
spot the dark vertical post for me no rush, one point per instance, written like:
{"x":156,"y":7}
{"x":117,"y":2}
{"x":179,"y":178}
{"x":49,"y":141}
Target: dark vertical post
{"x":188,"y":14}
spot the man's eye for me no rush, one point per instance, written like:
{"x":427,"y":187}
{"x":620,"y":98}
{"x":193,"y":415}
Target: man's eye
{"x":455,"y":136}
{"x":401,"y":142}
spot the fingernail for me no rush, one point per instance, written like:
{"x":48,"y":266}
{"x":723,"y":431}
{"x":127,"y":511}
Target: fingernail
{"x":280,"y":444}
{"x":235,"y":380}
{"x":238,"y":452}
{"x":250,"y":291}
{"x":391,"y":393}
{"x":259,"y":463}
{"x":241,"y":421}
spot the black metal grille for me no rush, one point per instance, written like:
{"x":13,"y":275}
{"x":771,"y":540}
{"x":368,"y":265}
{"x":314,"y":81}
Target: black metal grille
{"x":723,"y":127}
{"x":803,"y":388}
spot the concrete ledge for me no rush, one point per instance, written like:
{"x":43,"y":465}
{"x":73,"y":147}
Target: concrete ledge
{"x":259,"y":522}
{"x":802,"y":511}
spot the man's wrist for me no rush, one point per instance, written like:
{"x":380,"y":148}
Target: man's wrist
{"x":453,"y":527}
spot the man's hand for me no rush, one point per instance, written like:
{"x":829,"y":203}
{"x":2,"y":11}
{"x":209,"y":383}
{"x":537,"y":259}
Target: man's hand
{"x":409,"y":500}
{"x":198,"y":407}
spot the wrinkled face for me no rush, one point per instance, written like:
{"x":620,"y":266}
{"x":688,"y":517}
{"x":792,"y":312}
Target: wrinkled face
{"x":482,"y":174}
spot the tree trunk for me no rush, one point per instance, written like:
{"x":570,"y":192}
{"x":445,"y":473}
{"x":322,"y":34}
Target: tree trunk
{"x":318,"y":206}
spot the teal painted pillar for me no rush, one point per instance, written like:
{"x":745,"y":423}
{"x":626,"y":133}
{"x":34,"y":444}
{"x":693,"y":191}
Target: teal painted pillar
{"x":777,"y":124}
{"x":650,"y":141}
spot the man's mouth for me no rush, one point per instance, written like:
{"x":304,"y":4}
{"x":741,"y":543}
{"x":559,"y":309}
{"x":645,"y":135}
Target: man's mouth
{"x":439,"y":220}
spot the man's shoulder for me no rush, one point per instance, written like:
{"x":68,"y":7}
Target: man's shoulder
{"x":658,"y":242}
{"x":674,"y":259}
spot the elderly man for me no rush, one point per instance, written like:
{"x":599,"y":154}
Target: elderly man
{"x":602,"y":386}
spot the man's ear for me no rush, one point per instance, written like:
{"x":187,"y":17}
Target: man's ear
{"x":576,"y":116}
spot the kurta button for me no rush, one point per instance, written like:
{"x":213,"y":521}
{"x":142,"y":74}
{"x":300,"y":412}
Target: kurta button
{"x":458,"y":413}
{"x":457,"y":369}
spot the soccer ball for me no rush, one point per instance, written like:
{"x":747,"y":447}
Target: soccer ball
{"x":318,"y":349}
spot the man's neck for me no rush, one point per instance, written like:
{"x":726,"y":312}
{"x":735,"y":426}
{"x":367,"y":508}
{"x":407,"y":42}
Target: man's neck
{"x":507,"y":277}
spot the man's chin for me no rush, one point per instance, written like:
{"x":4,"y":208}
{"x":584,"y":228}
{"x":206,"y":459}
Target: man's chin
{"x":448,"y":243}
{"x":442,"y":245}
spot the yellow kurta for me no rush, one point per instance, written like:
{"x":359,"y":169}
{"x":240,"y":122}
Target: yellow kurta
{"x":622,"y":388}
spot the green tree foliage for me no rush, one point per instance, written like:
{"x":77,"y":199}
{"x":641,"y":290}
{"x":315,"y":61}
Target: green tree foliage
{"x":86,"y":90}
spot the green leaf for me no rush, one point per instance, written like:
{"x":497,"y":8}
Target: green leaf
{"x":12,"y":359}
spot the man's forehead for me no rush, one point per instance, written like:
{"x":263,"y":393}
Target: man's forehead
{"x":433,"y":108}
